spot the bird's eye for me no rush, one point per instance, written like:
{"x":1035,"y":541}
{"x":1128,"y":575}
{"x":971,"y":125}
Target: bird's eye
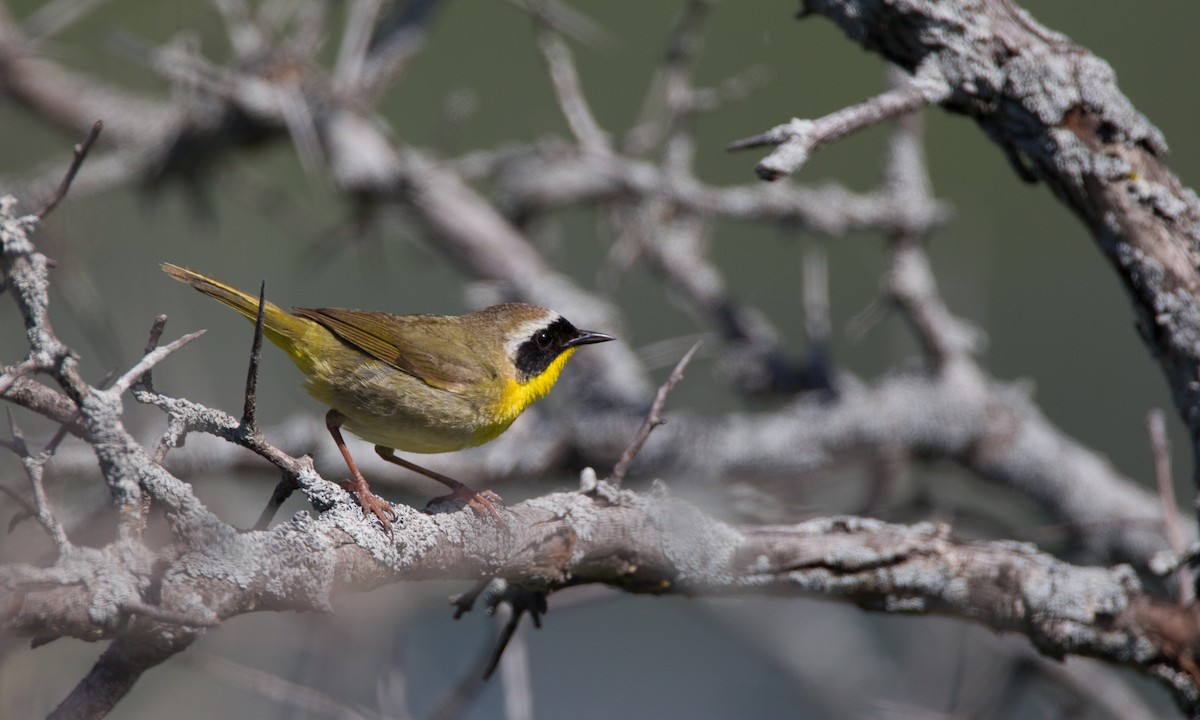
{"x":543,"y":339}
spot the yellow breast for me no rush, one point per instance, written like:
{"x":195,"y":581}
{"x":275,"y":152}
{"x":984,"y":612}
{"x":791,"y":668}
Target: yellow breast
{"x":517,"y":396}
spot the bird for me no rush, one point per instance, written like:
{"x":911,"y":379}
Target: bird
{"x":417,"y":383}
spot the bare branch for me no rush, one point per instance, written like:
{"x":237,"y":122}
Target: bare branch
{"x":567,"y":88}
{"x":653,"y":418}
{"x":34,"y":466}
{"x":149,"y":360}
{"x":1156,"y":425}
{"x":116,"y":671}
{"x":55,"y":16}
{"x":1057,"y":107}
{"x":301,"y":698}
{"x":509,"y":605}
{"x":990,"y":428}
{"x":569,"y":22}
{"x":13,"y":374}
{"x":245,"y":35}
{"x":248,"y":409}
{"x":654,"y":544}
{"x":639,"y":543}
{"x":81,"y":151}
{"x":515,"y":675}
{"x":798,"y":139}
{"x":350,"y":66}
{"x":146,"y":381}
{"x":541,"y":179}
{"x":670,"y":101}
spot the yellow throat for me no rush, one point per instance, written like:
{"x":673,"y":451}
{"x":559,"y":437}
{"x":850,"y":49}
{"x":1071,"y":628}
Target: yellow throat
{"x":517,"y":396}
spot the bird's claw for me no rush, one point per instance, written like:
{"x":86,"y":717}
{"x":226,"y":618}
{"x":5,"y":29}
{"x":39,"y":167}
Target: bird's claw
{"x":481,"y":502}
{"x":372,"y":504}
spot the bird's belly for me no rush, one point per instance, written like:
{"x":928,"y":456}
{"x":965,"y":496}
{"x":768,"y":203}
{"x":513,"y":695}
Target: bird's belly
{"x":387,"y":407}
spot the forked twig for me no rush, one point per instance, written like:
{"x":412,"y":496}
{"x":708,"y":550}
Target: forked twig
{"x":519,"y":602}
{"x":149,"y":360}
{"x":34,"y":465}
{"x":797,"y":139}
{"x":653,"y":418}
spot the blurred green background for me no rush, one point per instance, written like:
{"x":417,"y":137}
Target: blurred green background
{"x":1013,"y":260}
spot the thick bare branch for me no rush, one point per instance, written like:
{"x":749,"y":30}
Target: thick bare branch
{"x":121,"y":665}
{"x":654,"y":544}
{"x":1055,"y":109}
{"x":640,"y":543}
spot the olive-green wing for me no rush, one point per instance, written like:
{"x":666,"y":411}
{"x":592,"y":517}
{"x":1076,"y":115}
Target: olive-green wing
{"x":426,"y":346}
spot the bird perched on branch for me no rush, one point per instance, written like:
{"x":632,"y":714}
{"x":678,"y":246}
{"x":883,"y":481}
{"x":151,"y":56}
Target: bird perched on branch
{"x":419,"y":383}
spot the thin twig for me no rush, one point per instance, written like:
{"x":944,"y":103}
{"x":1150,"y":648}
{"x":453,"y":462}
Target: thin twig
{"x":653,"y":418}
{"x":55,"y":16}
{"x":1156,"y":425}
{"x":514,"y":674}
{"x":464,"y":602}
{"x":670,"y":100}
{"x":249,"y":409}
{"x":172,"y":437}
{"x":306,"y":701}
{"x":146,"y":382}
{"x":244,"y":34}
{"x":81,"y":151}
{"x":798,"y":139}
{"x":569,"y":91}
{"x":507,"y":603}
{"x":569,"y":22}
{"x":15,"y":373}
{"x":283,"y":490}
{"x":361,"y":21}
{"x":519,"y":601}
{"x":34,"y":470}
{"x":28,"y":510}
{"x":456,"y":701}
{"x":149,"y":360}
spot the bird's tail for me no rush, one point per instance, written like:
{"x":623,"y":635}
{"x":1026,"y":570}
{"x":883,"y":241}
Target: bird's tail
{"x":280,"y":326}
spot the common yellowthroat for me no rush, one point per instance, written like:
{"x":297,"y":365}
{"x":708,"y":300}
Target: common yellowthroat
{"x":420,"y":383}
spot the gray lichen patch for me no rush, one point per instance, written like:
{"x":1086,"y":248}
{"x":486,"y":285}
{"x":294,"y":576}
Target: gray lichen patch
{"x":700,"y":548}
{"x":289,"y":566}
{"x":578,"y":509}
{"x":1080,"y":595}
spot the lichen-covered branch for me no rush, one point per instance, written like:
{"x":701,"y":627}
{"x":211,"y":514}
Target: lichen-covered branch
{"x":798,"y":139}
{"x":643,"y":544}
{"x":1056,"y":112}
{"x":1052,"y":107}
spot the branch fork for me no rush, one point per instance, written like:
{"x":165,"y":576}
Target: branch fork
{"x":798,"y":139}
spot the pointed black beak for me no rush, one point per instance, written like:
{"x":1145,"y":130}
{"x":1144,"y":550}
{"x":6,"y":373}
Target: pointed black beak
{"x":587,"y":337}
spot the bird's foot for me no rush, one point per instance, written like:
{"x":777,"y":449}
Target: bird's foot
{"x":371,"y":503}
{"x":480,"y":501}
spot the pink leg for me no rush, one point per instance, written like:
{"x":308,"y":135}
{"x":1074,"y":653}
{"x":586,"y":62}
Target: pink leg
{"x":479,"y":501}
{"x":370,"y":502}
